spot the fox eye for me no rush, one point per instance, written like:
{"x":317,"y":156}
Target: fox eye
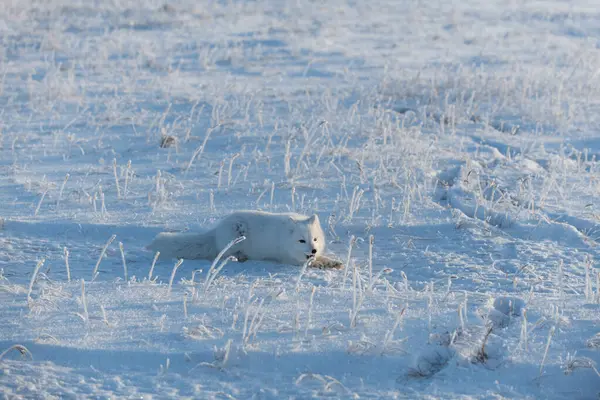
{"x":302,"y":241}
{"x":315,"y":239}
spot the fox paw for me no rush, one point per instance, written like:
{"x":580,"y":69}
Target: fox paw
{"x":326,"y":263}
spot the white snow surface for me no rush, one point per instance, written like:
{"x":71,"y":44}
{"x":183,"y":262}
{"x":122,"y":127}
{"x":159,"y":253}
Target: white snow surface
{"x":450,"y":149}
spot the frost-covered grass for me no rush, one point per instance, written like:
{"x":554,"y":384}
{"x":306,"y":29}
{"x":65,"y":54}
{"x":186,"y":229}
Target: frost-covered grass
{"x":451,"y":152}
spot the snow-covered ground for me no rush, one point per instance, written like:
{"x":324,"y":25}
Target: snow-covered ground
{"x":451,"y":150}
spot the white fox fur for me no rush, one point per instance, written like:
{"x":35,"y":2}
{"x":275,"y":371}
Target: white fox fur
{"x":286,"y":238}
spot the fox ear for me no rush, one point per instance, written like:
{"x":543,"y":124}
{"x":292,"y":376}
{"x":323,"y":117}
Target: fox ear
{"x":314,"y":218}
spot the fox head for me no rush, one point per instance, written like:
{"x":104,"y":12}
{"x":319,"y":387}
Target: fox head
{"x":307,"y":239}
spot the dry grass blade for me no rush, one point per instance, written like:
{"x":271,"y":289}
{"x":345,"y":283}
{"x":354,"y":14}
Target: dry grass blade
{"x":481,"y":355}
{"x":33,"y":277}
{"x":95,"y":272}
{"x":214,"y":272}
{"x":430,"y":364}
{"x":122,"y":250}
{"x":153,"y":264}
{"x":302,"y":271}
{"x":20,"y":348}
{"x":210,"y":274}
{"x":177,"y":265}
{"x":572,"y":363}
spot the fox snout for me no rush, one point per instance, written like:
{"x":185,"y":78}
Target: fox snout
{"x":313,"y":254}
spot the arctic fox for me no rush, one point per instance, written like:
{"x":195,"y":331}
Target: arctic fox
{"x":286,"y":238}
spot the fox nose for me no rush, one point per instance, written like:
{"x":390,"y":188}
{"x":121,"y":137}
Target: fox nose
{"x":314,"y":251}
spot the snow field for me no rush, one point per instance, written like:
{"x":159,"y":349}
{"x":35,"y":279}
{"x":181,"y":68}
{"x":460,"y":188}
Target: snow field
{"x":449,"y":150}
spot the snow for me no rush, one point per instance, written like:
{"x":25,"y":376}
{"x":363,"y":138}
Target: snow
{"x":462,"y":138}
